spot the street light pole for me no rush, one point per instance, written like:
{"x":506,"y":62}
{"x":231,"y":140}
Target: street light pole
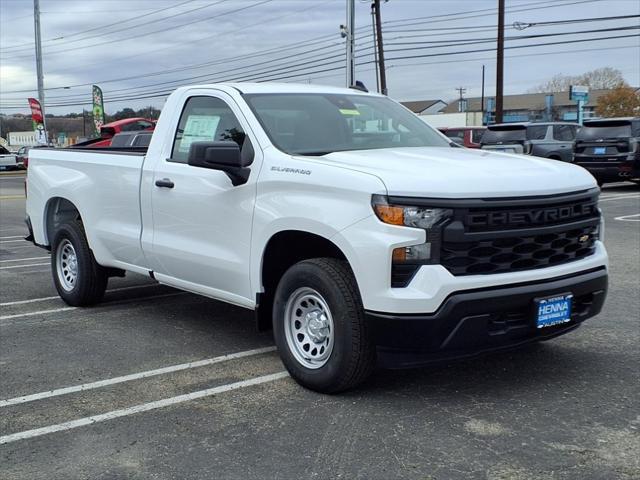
{"x":482,"y":97}
{"x":36,"y":24}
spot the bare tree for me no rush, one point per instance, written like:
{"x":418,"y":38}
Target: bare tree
{"x":600,"y":78}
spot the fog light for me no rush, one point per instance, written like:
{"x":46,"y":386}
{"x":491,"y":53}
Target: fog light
{"x":412,"y":254}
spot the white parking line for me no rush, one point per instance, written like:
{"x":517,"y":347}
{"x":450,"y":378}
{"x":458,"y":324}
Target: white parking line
{"x":629,"y":218}
{"x":134,"y":376}
{"x":64,"y":309}
{"x":43,"y":299}
{"x":144,"y":407}
{"x":11,"y":241}
{"x":40,"y":312}
{"x":24,"y":266}
{"x":24,"y":259}
{"x":621,"y":197}
{"x":11,"y":237}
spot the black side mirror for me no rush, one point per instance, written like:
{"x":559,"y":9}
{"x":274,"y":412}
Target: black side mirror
{"x":223,"y":156}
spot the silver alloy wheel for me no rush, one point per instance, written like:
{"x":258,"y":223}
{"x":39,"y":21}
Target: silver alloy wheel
{"x":67,"y":265}
{"x":308,"y":328}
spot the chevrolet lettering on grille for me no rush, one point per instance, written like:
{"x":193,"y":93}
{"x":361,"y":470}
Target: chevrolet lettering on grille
{"x":530,"y":217}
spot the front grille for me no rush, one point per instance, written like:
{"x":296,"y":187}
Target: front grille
{"x":511,"y":254}
{"x":502,"y":235}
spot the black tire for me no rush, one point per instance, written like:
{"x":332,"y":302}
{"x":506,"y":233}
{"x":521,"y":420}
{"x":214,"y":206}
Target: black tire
{"x":91,"y":279}
{"x":353,"y":357}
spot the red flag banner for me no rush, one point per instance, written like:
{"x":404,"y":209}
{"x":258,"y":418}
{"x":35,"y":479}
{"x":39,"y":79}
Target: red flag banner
{"x":38,"y":121}
{"x":36,"y":111}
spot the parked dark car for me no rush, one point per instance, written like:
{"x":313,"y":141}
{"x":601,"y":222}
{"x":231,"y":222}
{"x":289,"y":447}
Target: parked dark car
{"x":548,"y":140}
{"x":131,"y":139}
{"x":466,"y":136}
{"x":610,"y":149}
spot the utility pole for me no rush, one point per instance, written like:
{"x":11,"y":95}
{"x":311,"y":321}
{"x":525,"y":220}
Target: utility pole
{"x":375,"y":45}
{"x":349,"y":30}
{"x":383,"y":74}
{"x":461,"y":101}
{"x":36,"y":21}
{"x":500,"y":63}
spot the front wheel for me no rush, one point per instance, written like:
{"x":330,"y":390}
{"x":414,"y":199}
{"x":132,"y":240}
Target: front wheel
{"x":319,"y":326}
{"x":79,"y":279}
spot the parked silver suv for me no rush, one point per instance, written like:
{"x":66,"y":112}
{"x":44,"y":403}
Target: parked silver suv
{"x":547,"y":140}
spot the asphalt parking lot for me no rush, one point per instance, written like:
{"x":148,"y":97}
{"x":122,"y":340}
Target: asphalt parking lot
{"x":112,"y":392}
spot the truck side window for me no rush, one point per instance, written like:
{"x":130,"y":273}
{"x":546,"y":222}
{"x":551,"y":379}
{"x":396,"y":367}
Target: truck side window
{"x":204,"y":119}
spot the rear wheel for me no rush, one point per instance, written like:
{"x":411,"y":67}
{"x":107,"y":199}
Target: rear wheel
{"x":79,"y":279}
{"x":319,"y":326}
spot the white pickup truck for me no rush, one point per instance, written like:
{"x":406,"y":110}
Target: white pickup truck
{"x":355,"y":230}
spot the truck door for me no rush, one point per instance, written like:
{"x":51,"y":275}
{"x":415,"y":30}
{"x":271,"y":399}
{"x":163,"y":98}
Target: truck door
{"x":201,"y":232}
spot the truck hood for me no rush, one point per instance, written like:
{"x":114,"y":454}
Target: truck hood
{"x":464,"y":173}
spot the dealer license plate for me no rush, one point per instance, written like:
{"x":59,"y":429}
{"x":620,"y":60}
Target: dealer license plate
{"x":554,"y":310}
{"x":600,"y":150}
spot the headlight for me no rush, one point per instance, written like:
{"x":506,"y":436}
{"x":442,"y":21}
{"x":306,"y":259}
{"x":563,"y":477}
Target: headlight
{"x":417,"y":217}
{"x":427,"y":218}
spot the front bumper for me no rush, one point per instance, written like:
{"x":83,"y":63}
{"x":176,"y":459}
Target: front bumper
{"x":483,"y":320}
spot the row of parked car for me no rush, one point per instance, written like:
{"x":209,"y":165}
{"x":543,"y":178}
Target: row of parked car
{"x":608,"y":148}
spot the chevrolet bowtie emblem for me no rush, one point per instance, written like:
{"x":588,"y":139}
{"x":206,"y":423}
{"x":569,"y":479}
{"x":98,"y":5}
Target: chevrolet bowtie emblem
{"x":583,"y":238}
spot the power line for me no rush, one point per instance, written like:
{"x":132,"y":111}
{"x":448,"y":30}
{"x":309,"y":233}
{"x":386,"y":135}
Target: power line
{"x":102,"y":27}
{"x":307,"y":72}
{"x":130,"y":37}
{"x":287,"y":58}
{"x":513,"y":38}
{"x":322,"y":47}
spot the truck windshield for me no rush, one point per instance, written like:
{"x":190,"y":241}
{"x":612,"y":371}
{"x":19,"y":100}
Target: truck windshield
{"x":504,"y":135}
{"x":595,"y":131}
{"x":318,"y":124}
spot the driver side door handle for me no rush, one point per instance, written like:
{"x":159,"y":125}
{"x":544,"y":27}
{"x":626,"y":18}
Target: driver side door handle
{"x":164,"y":183}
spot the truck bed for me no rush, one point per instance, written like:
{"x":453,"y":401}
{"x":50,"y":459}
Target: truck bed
{"x":103,"y":184}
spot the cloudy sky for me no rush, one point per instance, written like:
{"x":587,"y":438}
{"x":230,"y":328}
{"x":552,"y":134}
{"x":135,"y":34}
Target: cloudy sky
{"x":138,"y":50}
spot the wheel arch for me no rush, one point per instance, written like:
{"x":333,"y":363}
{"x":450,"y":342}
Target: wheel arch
{"x":58,"y":210}
{"x":282,"y":250}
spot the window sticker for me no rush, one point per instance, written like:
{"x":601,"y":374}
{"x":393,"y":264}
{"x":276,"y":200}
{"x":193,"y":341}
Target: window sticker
{"x":198,"y":128}
{"x":349,"y":111}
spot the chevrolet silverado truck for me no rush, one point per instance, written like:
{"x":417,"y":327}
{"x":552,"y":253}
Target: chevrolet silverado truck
{"x":361,"y":235}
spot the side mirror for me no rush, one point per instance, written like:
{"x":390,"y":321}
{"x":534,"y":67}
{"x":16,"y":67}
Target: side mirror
{"x":223,"y":156}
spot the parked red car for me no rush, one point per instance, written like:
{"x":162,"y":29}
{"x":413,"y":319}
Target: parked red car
{"x":466,"y":136}
{"x":108,"y":130}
